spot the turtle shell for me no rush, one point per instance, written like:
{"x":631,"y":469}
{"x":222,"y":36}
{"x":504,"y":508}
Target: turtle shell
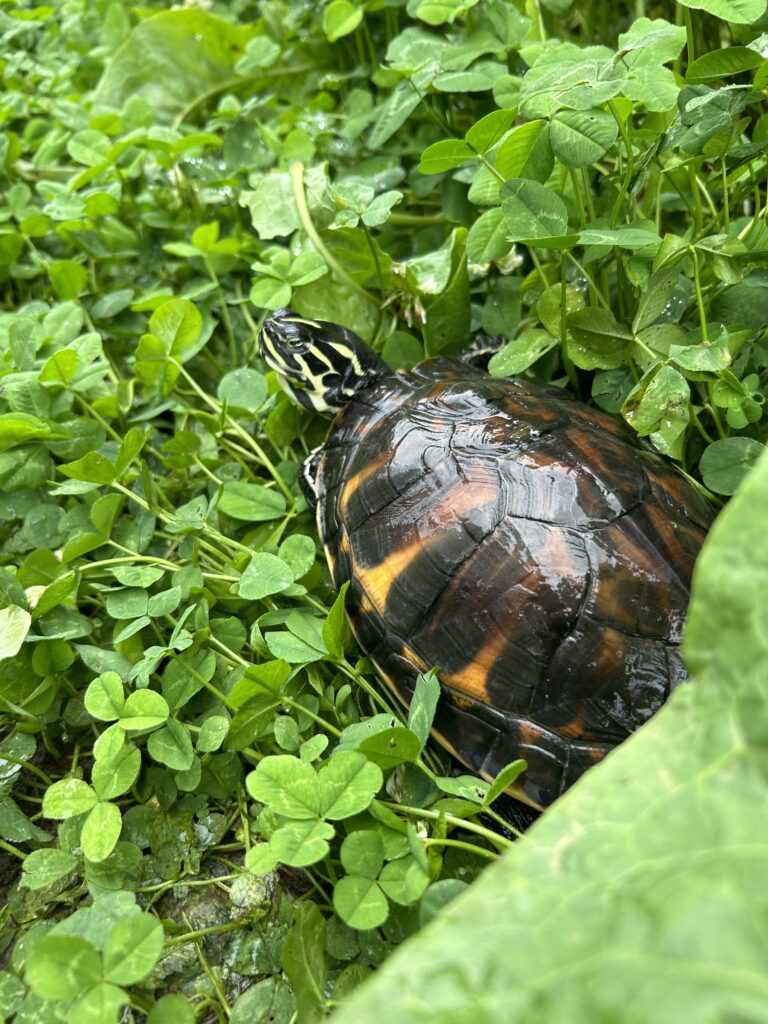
{"x":524,"y":544}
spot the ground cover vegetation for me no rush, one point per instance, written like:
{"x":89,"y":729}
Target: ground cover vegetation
{"x":210,"y":808}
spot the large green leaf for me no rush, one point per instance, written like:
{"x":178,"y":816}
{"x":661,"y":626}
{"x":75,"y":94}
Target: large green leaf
{"x":172,"y":59}
{"x":639,"y":897}
{"x":729,"y":10}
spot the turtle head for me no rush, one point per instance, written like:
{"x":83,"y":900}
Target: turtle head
{"x":320,"y":364}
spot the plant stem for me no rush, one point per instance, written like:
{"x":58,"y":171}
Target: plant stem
{"x":417,"y":220}
{"x":713,"y":412}
{"x":567,"y":364}
{"x":469,"y":847}
{"x":28,"y":765}
{"x":588,"y":194}
{"x":726,"y":207}
{"x":694,"y":188}
{"x":11,"y":849}
{"x":629,"y":174}
{"x":233,"y":356}
{"x":595,"y":292}
{"x":363,"y":683}
{"x":297,"y":180}
{"x":689,"y":35}
{"x":379,"y":277}
{"x":700,"y":427}
{"x":283,"y":698}
{"x":699,"y":295}
{"x":235,"y":426}
{"x":704,"y":491}
{"x":127,"y":560}
{"x":200,"y":933}
{"x":578,"y":197}
{"x":539,"y":268}
{"x":238,"y":81}
{"x":540,"y":21}
{"x":489,"y":166}
{"x":450,"y":819}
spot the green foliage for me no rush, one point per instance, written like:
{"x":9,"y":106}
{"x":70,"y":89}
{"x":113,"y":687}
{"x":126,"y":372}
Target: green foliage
{"x":80,"y":978}
{"x":183,"y":706}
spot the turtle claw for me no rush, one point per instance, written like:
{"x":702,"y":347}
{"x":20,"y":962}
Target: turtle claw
{"x":482,"y":349}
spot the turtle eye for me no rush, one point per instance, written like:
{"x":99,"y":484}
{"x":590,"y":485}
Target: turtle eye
{"x":295,"y":340}
{"x":295,"y":334}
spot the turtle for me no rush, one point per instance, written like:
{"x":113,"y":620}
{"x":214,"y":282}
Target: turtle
{"x":526,"y":545}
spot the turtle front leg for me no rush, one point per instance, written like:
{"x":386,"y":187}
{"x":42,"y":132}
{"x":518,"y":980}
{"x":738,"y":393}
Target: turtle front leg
{"x":479,"y":353}
{"x":308,"y":477}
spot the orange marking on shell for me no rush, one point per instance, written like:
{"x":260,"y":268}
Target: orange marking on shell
{"x":472,"y":679}
{"x":377,"y":581}
{"x":412,"y":656}
{"x":330,"y":557}
{"x":529,"y":734}
{"x":573,"y":729}
{"x":465,"y":498}
{"x":357,"y":479}
{"x":455,"y":506}
{"x":557,"y":554}
{"x":462,"y":702}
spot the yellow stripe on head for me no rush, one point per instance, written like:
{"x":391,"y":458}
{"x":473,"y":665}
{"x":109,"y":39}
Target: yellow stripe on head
{"x":321,"y":365}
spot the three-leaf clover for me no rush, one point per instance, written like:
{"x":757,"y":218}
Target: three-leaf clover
{"x":305,"y":801}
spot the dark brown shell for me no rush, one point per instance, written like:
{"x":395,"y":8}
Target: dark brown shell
{"x":524,"y":544}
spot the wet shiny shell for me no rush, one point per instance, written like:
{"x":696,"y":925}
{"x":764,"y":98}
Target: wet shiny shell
{"x":526,"y":545}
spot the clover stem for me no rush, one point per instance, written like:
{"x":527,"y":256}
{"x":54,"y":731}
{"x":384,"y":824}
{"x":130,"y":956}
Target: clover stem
{"x":310,"y":714}
{"x":703,"y":190}
{"x":254,"y":327}
{"x":595,"y":292}
{"x":417,"y":220}
{"x":211,"y":476}
{"x":539,"y":268}
{"x":238,"y":81}
{"x":160,"y":887}
{"x":578,"y":196}
{"x":363,"y":683}
{"x":697,"y":209}
{"x":700,"y":427}
{"x":99,"y":419}
{"x":127,"y":559}
{"x":699,"y":294}
{"x":489,"y":166}
{"x":689,"y":35}
{"x":567,"y":362}
{"x":379,"y":276}
{"x":540,"y":20}
{"x":243,"y":434}
{"x":713,"y":499}
{"x":297,"y":181}
{"x":726,"y":200}
{"x":588,"y":193}
{"x":233,"y":356}
{"x":451,"y":819}
{"x":458,"y":844}
{"x":712,"y":408}
{"x":200,"y":933}
{"x":31,"y":767}
{"x":630,"y":163}
{"x":649,"y":351}
{"x":369,"y":44}
{"x":11,"y":849}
